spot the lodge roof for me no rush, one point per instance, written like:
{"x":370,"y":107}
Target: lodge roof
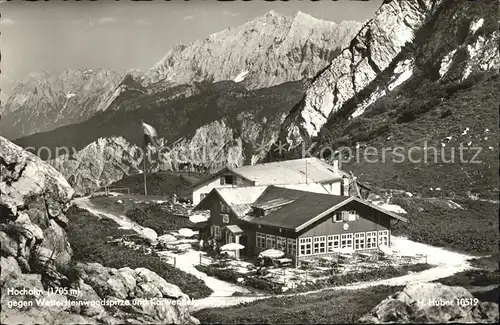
{"x":288,"y":208}
{"x":302,"y":208}
{"x":296,"y":171}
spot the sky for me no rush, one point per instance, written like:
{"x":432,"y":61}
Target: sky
{"x":121,"y":35}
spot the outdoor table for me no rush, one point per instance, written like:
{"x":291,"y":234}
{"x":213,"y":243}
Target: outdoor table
{"x":284,"y":261}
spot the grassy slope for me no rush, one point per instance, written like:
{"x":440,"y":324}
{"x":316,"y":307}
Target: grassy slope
{"x":473,"y":229}
{"x":88,"y":236}
{"x":157,"y":217}
{"x":333,"y":307}
{"x":474,"y":107}
{"x":161,"y":183}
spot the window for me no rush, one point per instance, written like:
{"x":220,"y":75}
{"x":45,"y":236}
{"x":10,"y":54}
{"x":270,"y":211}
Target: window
{"x":371,"y":239}
{"x":346,"y":240}
{"x":228,"y":179}
{"x":305,"y":246}
{"x":292,"y":246}
{"x":333,"y":242}
{"x":261,"y":240}
{"x":270,"y":241}
{"x":359,"y":240}
{"x":281,"y":243}
{"x":215,"y":231}
{"x":383,"y":238}
{"x":224,"y":208}
{"x":337,"y":217}
{"x":350,"y":216}
{"x":320,"y":245}
{"x":202,"y":196}
{"x":258,"y":212}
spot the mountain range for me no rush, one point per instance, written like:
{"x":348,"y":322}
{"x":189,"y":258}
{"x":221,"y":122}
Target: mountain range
{"x":229,"y":96}
{"x":267,"y":51}
{"x":413,"y":73}
{"x":43,"y":102}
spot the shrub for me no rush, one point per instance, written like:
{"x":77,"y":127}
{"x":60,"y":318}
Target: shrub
{"x":88,"y":237}
{"x":158,"y":218}
{"x":262,"y":284}
{"x":472,"y":278}
{"x":339,"y":306}
{"x":473,"y":229}
{"x":371,"y":275}
{"x":222,"y":274}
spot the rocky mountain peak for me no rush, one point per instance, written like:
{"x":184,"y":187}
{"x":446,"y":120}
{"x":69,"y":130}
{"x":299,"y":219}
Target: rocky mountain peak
{"x":43,"y":101}
{"x":272,"y":48}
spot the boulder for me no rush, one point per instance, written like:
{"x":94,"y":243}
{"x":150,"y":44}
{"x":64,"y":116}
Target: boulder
{"x":55,"y":239}
{"x":9,"y":245}
{"x":167,"y":290}
{"x":431,"y":303}
{"x":116,"y":287}
{"x":87,"y":293}
{"x":128,"y":277}
{"x":10,"y":269}
{"x":42,"y":316}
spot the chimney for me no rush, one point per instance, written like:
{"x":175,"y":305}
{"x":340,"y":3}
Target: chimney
{"x":336,"y":166}
{"x":345,"y":186}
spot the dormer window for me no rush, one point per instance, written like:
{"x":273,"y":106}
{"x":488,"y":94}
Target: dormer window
{"x":345,"y":216}
{"x":224,"y":208}
{"x":258,"y":212}
{"x":227,"y":180}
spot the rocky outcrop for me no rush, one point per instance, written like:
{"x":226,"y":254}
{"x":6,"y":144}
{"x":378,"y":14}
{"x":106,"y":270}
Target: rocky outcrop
{"x":39,"y":281}
{"x":108,"y":160}
{"x":100,"y":163}
{"x":369,"y":53}
{"x":140,"y":294}
{"x":44,"y":102}
{"x":34,"y":197}
{"x":271,"y":49}
{"x":432,"y":303}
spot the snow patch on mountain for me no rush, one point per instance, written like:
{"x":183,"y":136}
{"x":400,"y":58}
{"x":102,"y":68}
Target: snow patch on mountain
{"x":483,"y":55}
{"x":241,"y":76}
{"x":402,"y":72}
{"x":390,"y":207}
{"x":446,"y":63}
{"x":475,"y":25}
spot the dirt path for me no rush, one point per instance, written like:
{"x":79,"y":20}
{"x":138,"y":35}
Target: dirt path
{"x":187,"y":262}
{"x":122,"y":220}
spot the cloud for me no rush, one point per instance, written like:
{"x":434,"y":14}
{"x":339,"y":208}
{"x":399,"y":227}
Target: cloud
{"x":142,"y":22}
{"x":188,"y":17}
{"x":106,"y":20}
{"x":7,"y":21}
